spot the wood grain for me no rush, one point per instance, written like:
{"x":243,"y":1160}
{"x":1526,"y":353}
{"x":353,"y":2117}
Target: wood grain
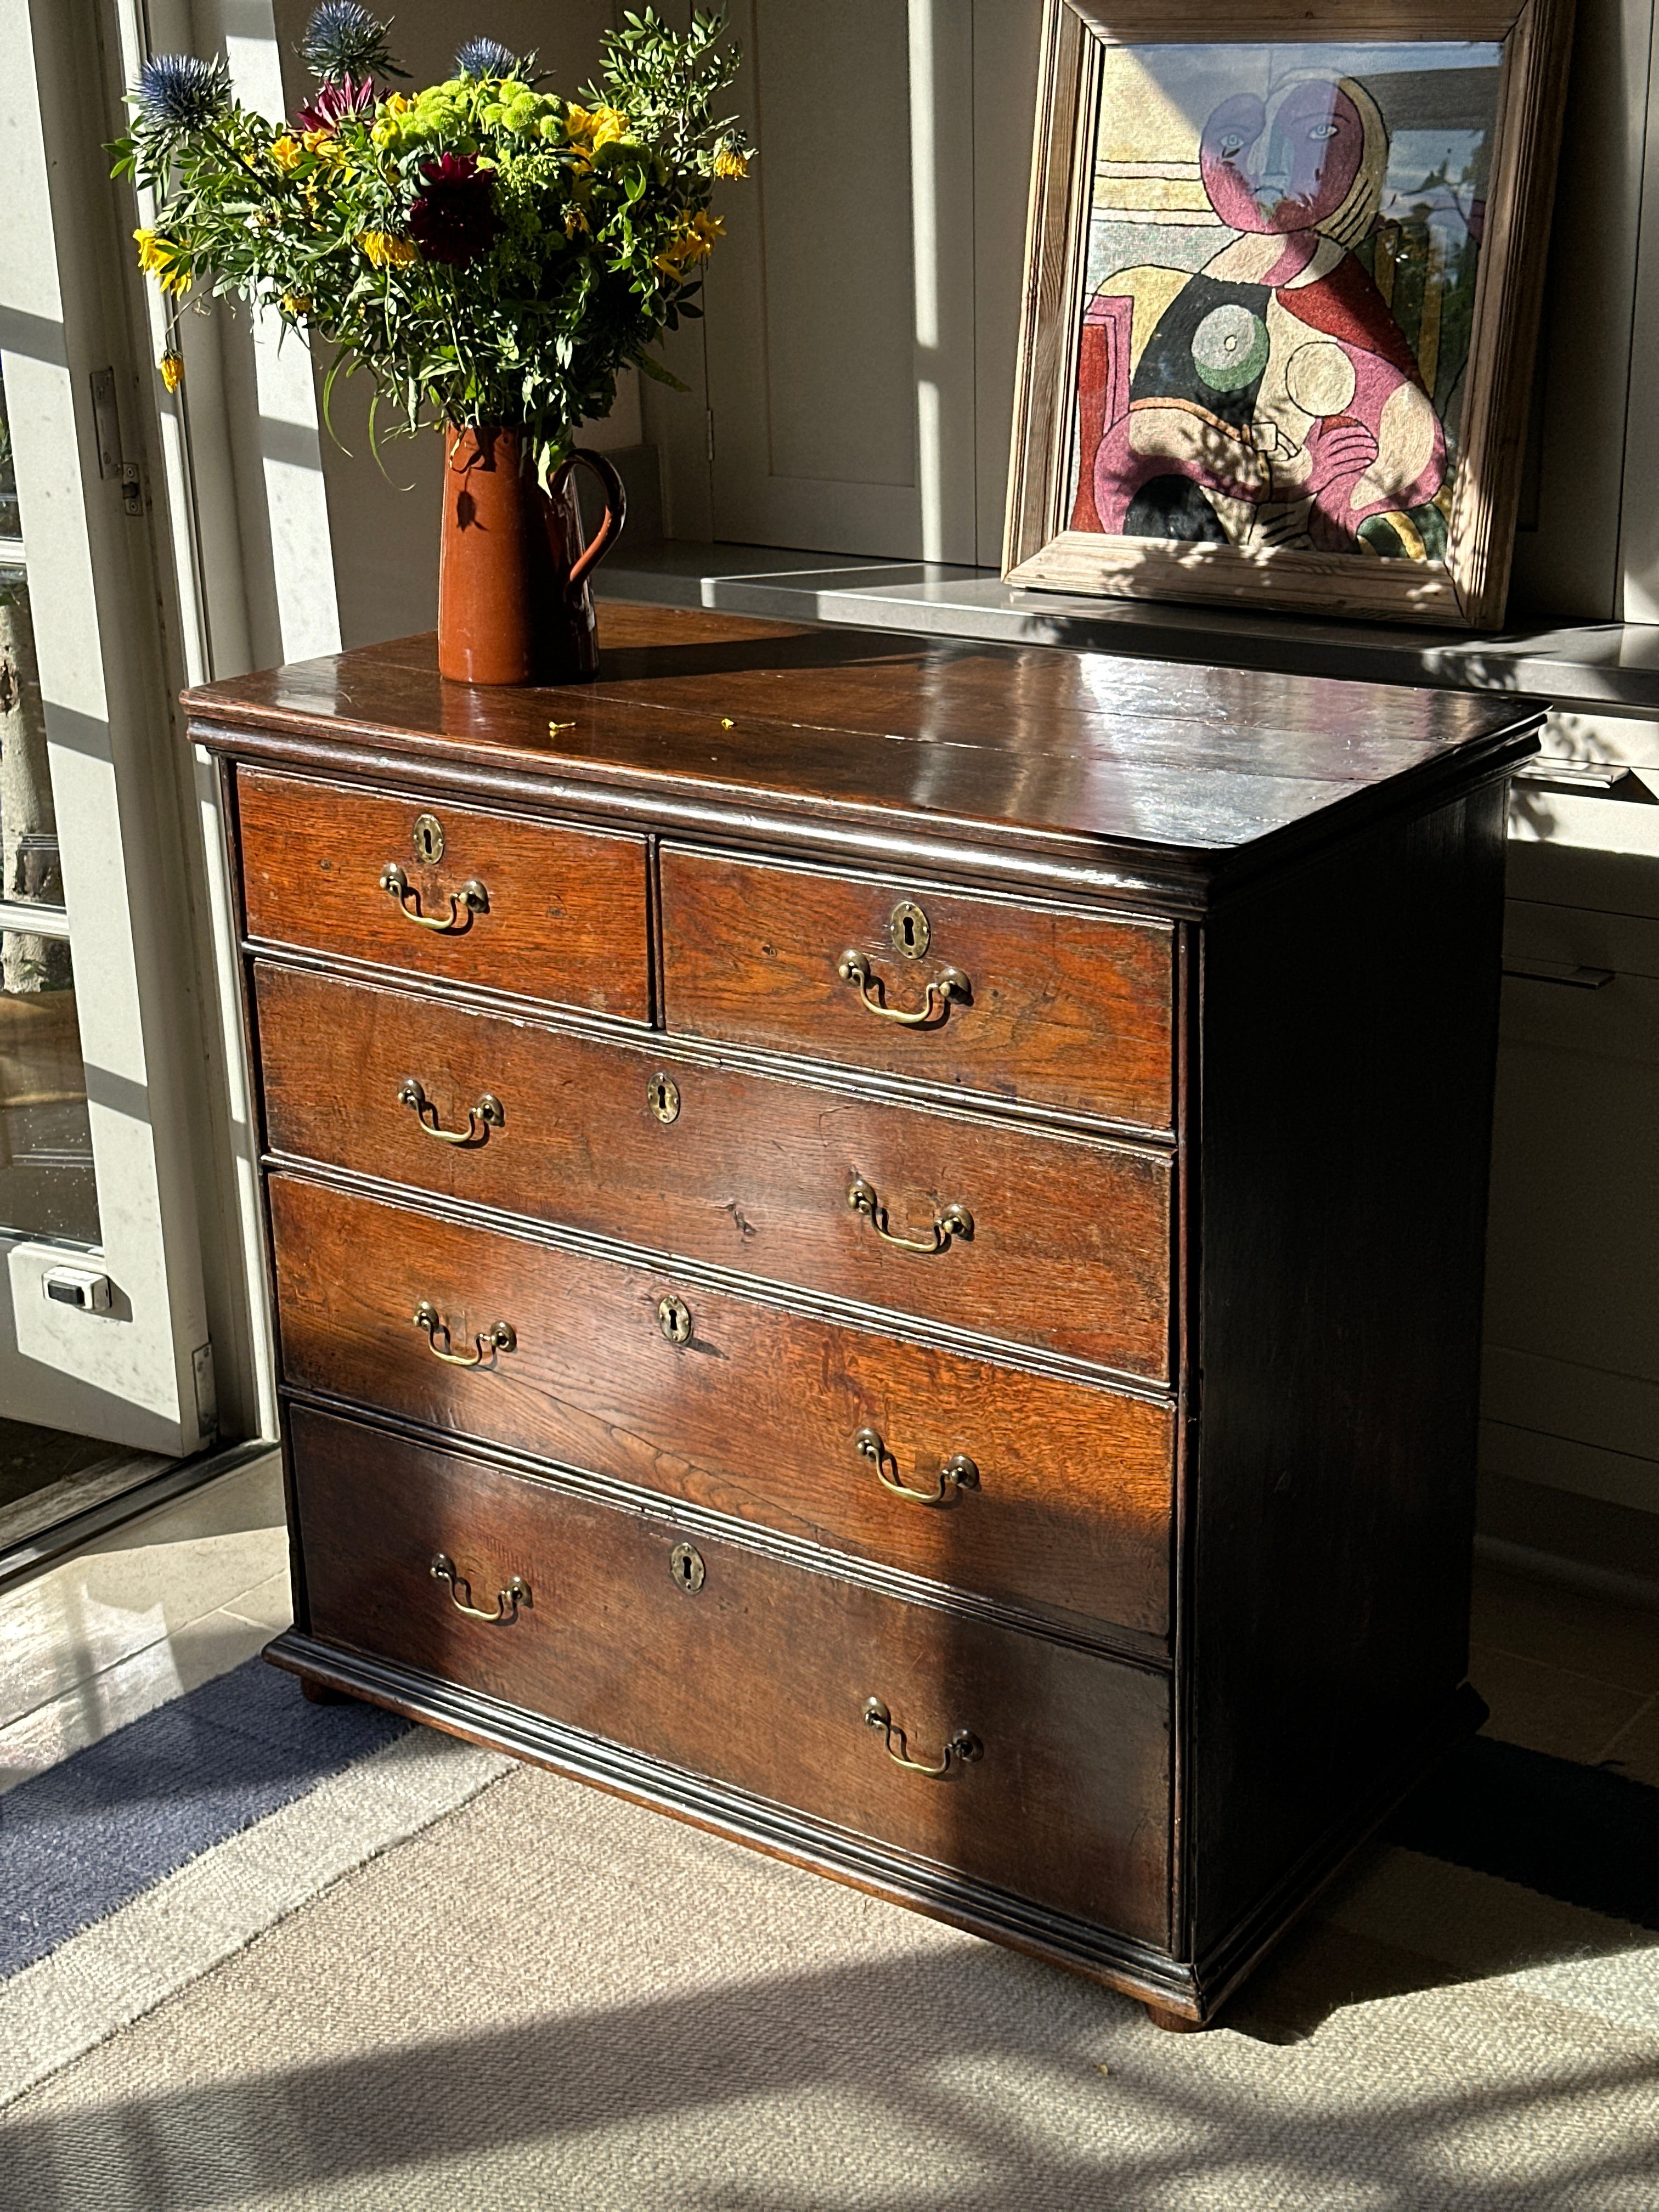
{"x":1021,"y":761}
{"x":760,"y":1678}
{"x":566,"y":919}
{"x":755,"y":1416}
{"x":1069,"y":1009}
{"x":1334,"y":1491}
{"x":1070,"y":1252}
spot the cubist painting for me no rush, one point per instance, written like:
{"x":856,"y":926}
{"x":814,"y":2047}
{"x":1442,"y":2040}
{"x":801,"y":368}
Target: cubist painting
{"x":1282,"y":253}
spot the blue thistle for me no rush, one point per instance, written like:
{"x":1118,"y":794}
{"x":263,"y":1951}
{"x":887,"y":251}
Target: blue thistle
{"x":177,"y":91}
{"x":484,"y":58}
{"x":343,"y":39}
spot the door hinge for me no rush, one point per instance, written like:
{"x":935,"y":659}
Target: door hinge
{"x":106,"y":422}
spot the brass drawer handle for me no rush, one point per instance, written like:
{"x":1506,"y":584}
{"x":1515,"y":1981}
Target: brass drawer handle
{"x":949,"y":983}
{"x":498,"y":1337}
{"x":962,"y":1747}
{"x":508,"y":1601}
{"x":471,"y":899}
{"x":481,"y":1119}
{"x":951,"y":1221}
{"x":958,"y":1472}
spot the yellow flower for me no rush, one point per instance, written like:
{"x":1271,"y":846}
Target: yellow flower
{"x":575,"y":219}
{"x":171,"y":366}
{"x":730,"y":162}
{"x":287,"y":151}
{"x":693,"y":242}
{"x":325,"y":146}
{"x":385,"y":250}
{"x":159,"y":257}
{"x":296,"y":303}
{"x":590,"y":128}
{"x":395,"y":103}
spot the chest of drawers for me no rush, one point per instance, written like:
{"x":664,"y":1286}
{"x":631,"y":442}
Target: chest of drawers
{"x":878,"y":1244}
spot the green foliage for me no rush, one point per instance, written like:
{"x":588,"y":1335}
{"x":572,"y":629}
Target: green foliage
{"x":487,"y":252}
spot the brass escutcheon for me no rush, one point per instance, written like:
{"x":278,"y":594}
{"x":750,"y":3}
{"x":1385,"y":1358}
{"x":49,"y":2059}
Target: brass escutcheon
{"x":948,"y":1221}
{"x":674,"y":1320}
{"x":957,"y":1474}
{"x":908,"y":929}
{"x":429,"y":838}
{"x":487,"y":1113}
{"x":664,"y":1094}
{"x":963,"y":1746}
{"x":507,"y":1600}
{"x":686,"y":1566}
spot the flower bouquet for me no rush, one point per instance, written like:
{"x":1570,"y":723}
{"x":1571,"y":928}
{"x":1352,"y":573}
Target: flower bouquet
{"x":489,"y":254}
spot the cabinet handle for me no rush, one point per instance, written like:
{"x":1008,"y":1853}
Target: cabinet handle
{"x":958,"y":1472}
{"x":1559,"y":971}
{"x":471,"y":899}
{"x":498,"y":1337}
{"x":951,"y":1221}
{"x":508,"y":1601}
{"x":951,"y":984}
{"x":481,"y":1119}
{"x":961,"y":1747}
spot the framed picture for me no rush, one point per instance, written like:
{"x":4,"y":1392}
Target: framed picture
{"x":1281,"y":295}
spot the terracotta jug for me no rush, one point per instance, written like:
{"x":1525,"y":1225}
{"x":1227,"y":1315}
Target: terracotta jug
{"x":513,"y":606}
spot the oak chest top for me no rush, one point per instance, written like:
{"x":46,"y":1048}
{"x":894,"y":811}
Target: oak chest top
{"x":1172,"y":781}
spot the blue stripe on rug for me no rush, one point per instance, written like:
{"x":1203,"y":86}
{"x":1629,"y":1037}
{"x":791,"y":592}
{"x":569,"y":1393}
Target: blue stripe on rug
{"x":87,"y":1836}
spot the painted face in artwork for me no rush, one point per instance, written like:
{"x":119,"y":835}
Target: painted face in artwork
{"x":1293,"y":177}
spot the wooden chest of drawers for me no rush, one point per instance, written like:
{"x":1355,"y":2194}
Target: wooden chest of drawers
{"x":878,"y":1244}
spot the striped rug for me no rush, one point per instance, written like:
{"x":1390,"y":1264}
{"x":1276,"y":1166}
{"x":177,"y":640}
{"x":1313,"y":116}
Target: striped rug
{"x":302,"y":1958}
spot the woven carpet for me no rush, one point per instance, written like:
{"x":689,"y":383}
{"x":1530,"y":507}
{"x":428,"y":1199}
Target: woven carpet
{"x":548,"y":1997}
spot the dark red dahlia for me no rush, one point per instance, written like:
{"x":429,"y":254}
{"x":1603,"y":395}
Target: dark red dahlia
{"x":352,"y":95}
{"x":454,"y":219}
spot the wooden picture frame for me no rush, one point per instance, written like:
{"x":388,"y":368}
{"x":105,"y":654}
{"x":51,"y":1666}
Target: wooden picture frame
{"x":1261,"y":493}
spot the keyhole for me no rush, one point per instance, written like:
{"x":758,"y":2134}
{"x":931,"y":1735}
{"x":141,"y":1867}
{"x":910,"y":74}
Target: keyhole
{"x":429,"y":838}
{"x":674,"y":1320}
{"x":664,"y":1094}
{"x":685,"y":1565}
{"x":908,"y":929}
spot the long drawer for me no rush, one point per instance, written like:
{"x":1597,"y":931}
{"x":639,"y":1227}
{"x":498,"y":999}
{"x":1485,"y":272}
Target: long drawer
{"x":797,"y":1424}
{"x":1052,"y":1240}
{"x":1061,"y":1006}
{"x":749,"y":1670}
{"x":535,"y":909}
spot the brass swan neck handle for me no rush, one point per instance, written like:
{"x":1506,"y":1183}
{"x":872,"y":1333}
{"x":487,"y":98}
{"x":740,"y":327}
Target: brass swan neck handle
{"x":855,"y":968}
{"x":471,"y":899}
{"x":963,"y":1747}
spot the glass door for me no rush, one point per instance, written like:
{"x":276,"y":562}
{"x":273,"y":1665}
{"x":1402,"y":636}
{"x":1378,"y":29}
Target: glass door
{"x":103,"y":1340}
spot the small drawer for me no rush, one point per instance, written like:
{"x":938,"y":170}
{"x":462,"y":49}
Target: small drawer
{"x":747,"y":1669}
{"x":809,"y":1426}
{"x":1053,"y":1240}
{"x":1053,"y":1005}
{"x":534,"y":908}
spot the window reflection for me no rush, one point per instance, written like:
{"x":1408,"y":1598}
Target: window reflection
{"x":46,"y":1186}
